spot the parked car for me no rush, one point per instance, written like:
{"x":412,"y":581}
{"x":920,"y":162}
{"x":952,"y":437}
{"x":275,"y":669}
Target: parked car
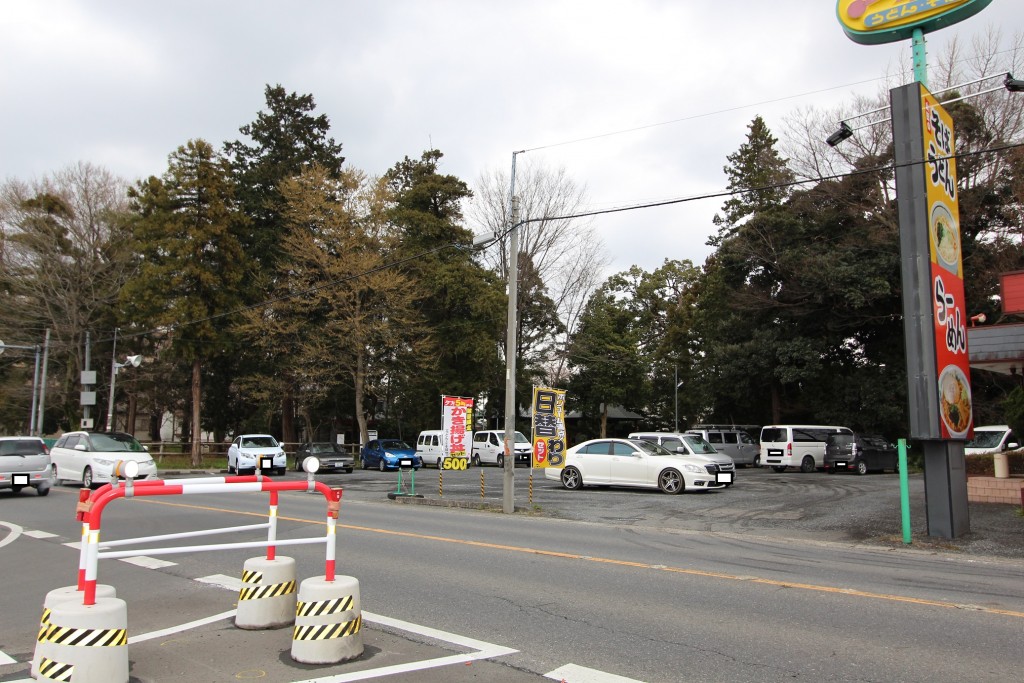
{"x":246,"y":450}
{"x":489,"y":448}
{"x":430,"y":447}
{"x":386,"y":454}
{"x":735,"y":443}
{"x":692,"y":445}
{"x":330,"y":455}
{"x":860,"y":453}
{"x":25,"y":462}
{"x":800,"y":446}
{"x":991,"y":439}
{"x":636,"y":462}
{"x":90,"y":457}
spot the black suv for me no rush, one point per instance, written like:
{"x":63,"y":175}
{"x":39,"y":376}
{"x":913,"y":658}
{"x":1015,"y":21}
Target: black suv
{"x":861,"y":453}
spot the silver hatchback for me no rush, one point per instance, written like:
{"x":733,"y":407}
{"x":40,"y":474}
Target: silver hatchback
{"x":24,"y":463}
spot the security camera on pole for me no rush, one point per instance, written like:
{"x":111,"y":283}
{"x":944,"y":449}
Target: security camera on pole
{"x":130,"y":361}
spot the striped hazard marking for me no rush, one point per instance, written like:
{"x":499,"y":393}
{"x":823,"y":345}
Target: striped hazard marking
{"x":315,"y":609}
{"x":55,"y":671}
{"x":328,"y":631}
{"x":84,"y":637}
{"x":252,"y":590}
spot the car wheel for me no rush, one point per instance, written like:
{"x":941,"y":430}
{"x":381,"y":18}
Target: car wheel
{"x":757,"y":461}
{"x":571,"y":478}
{"x":807,"y":464}
{"x":87,"y":478}
{"x":231,"y":469}
{"x":381,"y":466}
{"x":896,"y":467}
{"x":476,"y":460}
{"x":501,"y":460}
{"x":670,"y":481}
{"x":348,"y":470}
{"x":362,"y":463}
{"x":56,"y":481}
{"x":779,"y":468}
{"x":438,"y":463}
{"x":43,"y":491}
{"x":862,"y":467}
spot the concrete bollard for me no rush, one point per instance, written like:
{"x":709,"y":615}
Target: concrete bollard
{"x":267,"y":598}
{"x":58,"y":595}
{"x":85,"y":643}
{"x":328,"y":621}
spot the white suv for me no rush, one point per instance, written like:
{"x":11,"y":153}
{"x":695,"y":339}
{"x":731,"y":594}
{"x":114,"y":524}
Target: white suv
{"x":489,"y":447}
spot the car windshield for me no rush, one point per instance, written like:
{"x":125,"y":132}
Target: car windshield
{"x":22,"y":447}
{"x":115,"y":443}
{"x":395,"y":443}
{"x":650,"y":447}
{"x":321,"y":448}
{"x":258,"y":442}
{"x":876,"y":441}
{"x":986,"y":439}
{"x":698,"y":445}
{"x":840,"y":439}
{"x":521,"y":438}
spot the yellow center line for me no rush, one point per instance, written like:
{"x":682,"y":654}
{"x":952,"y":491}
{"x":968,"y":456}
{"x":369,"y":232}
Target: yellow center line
{"x":621,"y":563}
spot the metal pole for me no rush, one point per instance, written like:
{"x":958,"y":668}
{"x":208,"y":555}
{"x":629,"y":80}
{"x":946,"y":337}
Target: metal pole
{"x":42,"y":384}
{"x":904,"y":490}
{"x":87,"y":410}
{"x":920,"y":58}
{"x":113,"y":374}
{"x":677,"y":400}
{"x":35,"y":395}
{"x":508,"y":483}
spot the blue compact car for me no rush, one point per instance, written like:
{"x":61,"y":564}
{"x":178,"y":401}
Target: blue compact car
{"x":386,"y":454}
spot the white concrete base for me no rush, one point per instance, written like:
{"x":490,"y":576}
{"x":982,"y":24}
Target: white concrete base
{"x":328,"y":622}
{"x":267,"y":599}
{"x":93,"y":639}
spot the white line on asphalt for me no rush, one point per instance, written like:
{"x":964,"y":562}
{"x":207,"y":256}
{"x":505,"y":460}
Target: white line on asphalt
{"x":4,"y":659}
{"x":11,"y":537}
{"x":40,"y":534}
{"x":232,"y":583}
{"x":148,"y":562}
{"x":177,"y":629}
{"x":573,"y":673}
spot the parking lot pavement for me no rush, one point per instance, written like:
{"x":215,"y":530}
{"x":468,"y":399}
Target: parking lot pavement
{"x":844,"y":508}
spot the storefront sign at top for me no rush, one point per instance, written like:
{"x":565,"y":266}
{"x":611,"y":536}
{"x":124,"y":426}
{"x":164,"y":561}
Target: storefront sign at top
{"x":872,"y":22}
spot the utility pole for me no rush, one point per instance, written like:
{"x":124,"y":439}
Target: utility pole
{"x":508,"y":488}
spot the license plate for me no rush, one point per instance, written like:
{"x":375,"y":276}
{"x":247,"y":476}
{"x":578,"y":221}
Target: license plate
{"x":840,"y":464}
{"x":772,"y":451}
{"x":723,"y":478}
{"x":20,"y":479}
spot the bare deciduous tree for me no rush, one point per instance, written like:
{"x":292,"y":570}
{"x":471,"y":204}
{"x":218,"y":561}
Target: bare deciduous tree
{"x":566,"y":253}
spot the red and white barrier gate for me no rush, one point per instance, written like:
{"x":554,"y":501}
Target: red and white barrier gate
{"x":88,"y":641}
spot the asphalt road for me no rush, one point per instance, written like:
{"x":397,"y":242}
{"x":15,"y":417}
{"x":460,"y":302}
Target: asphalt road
{"x":783,"y":576}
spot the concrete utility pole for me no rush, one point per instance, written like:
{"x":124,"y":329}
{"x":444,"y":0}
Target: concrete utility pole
{"x":508,"y":489}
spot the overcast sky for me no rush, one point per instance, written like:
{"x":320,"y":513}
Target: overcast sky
{"x":655,"y":93}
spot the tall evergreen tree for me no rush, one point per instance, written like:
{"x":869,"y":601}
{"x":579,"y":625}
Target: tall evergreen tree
{"x":187,"y":235}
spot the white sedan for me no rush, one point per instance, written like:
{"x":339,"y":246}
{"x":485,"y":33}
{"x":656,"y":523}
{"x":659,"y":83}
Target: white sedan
{"x":249,"y":450}
{"x":631,"y":462}
{"x":90,"y":457}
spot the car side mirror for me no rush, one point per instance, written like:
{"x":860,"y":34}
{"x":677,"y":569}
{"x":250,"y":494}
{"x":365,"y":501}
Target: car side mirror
{"x":1013,"y":445}
{"x":145,"y":448}
{"x":681,"y":449}
{"x":80,"y":447}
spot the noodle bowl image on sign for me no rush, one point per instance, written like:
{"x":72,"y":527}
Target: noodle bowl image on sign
{"x":946,"y":238}
{"x":955,"y":400}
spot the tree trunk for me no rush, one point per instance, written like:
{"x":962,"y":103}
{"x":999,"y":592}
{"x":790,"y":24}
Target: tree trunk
{"x":197,"y":455}
{"x":288,"y":414}
{"x":604,"y":420}
{"x":133,"y":403}
{"x":359,"y":377}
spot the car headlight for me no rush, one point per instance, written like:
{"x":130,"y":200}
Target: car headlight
{"x":694,"y":469}
{"x":103,"y":461}
{"x":390,"y":456}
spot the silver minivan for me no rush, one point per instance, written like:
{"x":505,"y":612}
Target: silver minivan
{"x":734,"y":442}
{"x":24,"y":463}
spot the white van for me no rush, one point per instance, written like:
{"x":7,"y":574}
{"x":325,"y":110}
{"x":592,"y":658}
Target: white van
{"x":430,"y":447}
{"x":800,"y":446}
{"x":694,"y":446}
{"x":489,"y":448}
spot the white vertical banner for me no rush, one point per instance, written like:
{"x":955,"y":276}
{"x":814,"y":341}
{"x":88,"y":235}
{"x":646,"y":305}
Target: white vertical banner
{"x":457,"y":425}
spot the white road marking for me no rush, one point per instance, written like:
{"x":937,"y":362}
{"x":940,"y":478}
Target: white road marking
{"x":573,"y":673}
{"x":4,"y":659}
{"x":40,"y":534}
{"x":232,"y":583}
{"x":13,"y":536}
{"x":177,"y":629}
{"x":148,"y":562}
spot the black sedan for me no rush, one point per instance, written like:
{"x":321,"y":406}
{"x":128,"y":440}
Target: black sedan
{"x":331,"y":456}
{"x":860,"y":453}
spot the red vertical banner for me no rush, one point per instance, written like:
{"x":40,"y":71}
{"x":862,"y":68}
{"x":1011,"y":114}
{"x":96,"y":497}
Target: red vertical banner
{"x":950,"y":313}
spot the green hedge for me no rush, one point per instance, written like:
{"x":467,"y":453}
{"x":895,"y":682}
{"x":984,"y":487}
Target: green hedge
{"x":983,"y":466}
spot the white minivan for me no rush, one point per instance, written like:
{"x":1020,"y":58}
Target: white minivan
{"x":430,"y":447}
{"x":489,"y":448}
{"x":800,"y":446}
